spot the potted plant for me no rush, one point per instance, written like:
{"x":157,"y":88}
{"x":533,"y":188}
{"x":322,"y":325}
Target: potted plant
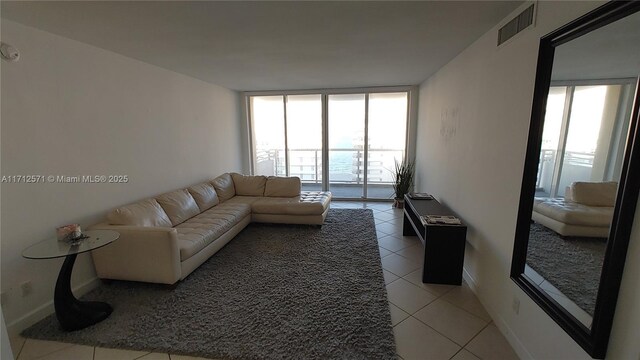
{"x":403,"y":181}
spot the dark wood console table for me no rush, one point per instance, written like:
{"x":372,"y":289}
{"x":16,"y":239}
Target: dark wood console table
{"x":443,"y":244}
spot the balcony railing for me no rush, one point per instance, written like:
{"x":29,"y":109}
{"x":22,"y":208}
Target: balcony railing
{"x":574,"y":165}
{"x":343,"y":169}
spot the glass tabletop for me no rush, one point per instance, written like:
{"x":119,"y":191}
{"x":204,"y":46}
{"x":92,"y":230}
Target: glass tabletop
{"x":52,"y":248}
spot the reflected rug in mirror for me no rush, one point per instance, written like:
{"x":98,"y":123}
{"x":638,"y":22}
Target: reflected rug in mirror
{"x":573,"y":265}
{"x":273,"y":292}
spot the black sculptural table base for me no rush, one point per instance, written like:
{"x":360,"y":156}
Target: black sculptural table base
{"x":72,"y":313}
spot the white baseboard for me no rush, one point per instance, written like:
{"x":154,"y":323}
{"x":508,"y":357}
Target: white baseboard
{"x":47,"y":309}
{"x":470,"y":280}
{"x":501,"y":324}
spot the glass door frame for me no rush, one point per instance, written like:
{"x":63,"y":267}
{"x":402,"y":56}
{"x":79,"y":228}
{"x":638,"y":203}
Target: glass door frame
{"x":410,"y":133}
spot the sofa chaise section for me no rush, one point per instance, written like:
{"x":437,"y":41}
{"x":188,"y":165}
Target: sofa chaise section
{"x":310,"y":207}
{"x":283,"y":201}
{"x":586,"y":210}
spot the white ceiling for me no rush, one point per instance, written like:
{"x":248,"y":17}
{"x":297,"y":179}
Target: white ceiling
{"x":268,"y":45}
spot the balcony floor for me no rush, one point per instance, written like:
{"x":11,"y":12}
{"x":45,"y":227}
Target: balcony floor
{"x":353,"y":191}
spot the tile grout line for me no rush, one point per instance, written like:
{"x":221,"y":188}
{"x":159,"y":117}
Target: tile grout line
{"x":398,"y":306}
{"x":479,"y":332}
{"x":386,"y":222}
{"x":422,"y":322}
{"x":53,"y":352}
{"x":469,"y":312}
{"x":460,"y":308}
{"x":431,"y":302}
{"x":397,"y":253}
{"x":403,"y":255}
{"x":399,"y":238}
{"x":141,"y":356}
{"x":21,"y":347}
{"x":457,"y":352}
{"x":436,"y":330}
{"x":400,"y":276}
{"x":392,"y":250}
{"x":437,"y":296}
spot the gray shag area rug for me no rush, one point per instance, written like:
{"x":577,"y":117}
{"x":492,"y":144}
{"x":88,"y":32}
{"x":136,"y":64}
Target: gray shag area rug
{"x":573,"y":265}
{"x":273,"y":292}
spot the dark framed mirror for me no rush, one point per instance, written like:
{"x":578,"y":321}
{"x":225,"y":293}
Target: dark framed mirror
{"x":582,"y":172}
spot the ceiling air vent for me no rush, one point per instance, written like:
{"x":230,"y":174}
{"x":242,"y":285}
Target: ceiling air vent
{"x":516,"y":25}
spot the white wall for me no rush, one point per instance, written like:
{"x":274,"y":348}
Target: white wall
{"x":472,"y":132}
{"x":72,"y":109}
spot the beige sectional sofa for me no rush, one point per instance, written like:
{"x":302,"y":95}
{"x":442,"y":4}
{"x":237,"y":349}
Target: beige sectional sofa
{"x":163,"y":239}
{"x":586,"y":210}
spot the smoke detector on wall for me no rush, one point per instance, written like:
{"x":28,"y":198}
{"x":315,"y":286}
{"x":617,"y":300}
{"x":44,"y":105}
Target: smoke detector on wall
{"x":8,"y":52}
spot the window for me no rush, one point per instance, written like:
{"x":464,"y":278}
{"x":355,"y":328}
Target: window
{"x":584,"y":135}
{"x":267,"y":114}
{"x":359,"y":135}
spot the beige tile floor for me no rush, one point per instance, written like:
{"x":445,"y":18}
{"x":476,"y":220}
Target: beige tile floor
{"x":429,"y":321}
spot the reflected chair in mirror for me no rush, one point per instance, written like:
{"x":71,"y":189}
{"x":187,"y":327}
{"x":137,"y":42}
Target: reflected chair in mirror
{"x":586,"y":210}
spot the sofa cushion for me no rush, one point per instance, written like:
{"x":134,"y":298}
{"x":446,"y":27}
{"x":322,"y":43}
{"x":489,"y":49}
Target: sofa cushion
{"x":594,"y":193}
{"x":308,"y":203}
{"x":224,"y":187}
{"x":278,"y":186}
{"x":205,"y":195}
{"x":143,"y":213}
{"x":247,"y":185}
{"x":573,"y":213}
{"x":244,"y":200}
{"x":179,"y":206}
{"x":198,"y":232}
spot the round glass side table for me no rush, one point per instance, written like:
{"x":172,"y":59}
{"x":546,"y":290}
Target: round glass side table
{"x":72,"y":313}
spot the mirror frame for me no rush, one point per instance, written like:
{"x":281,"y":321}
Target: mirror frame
{"x":594,"y":340}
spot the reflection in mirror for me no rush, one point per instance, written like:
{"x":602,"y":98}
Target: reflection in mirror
{"x":581,"y":176}
{"x":580,"y":165}
{"x":587,"y":118}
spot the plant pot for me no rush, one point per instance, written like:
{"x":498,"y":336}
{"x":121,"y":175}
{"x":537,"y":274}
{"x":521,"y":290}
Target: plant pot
{"x":398,"y":203}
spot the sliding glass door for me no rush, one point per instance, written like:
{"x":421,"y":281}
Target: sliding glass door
{"x":344,"y":143}
{"x":584,"y":135}
{"x":304,"y":139}
{"x":387,"y":132}
{"x":267,"y":115}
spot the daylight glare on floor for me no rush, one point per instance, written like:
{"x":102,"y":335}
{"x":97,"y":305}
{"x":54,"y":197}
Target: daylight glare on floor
{"x":429,"y":321}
